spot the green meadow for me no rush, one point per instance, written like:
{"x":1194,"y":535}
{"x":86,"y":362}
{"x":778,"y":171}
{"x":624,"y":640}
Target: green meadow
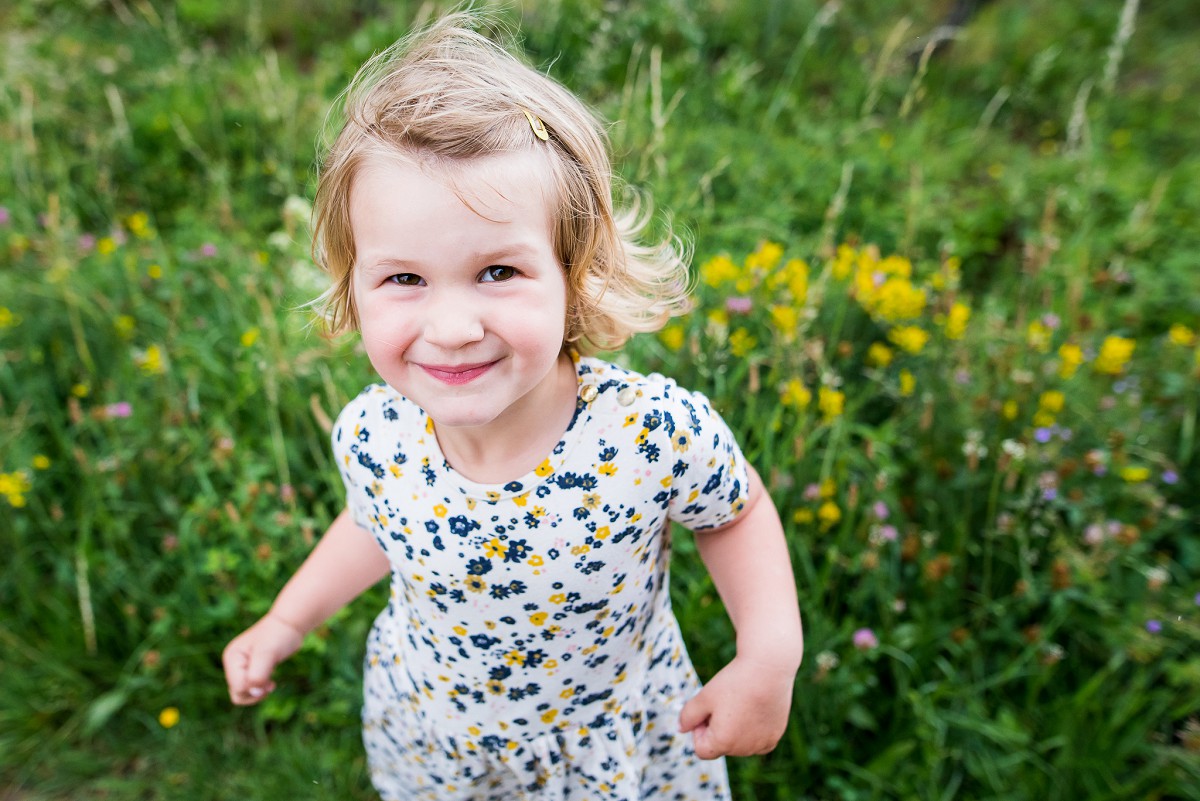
{"x":947,"y":294}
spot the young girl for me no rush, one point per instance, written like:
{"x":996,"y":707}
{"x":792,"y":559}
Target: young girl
{"x":518,"y":493}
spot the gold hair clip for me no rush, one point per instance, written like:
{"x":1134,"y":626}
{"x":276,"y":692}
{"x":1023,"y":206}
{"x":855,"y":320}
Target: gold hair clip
{"x":539,"y":128}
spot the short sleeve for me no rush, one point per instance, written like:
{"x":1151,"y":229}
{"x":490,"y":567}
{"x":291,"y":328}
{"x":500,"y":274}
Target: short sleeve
{"x":710,"y":476}
{"x":351,"y":432}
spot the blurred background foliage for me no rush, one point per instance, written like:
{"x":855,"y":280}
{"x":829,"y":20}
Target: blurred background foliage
{"x":947,"y":295}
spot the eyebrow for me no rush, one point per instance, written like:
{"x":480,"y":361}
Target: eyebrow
{"x":515,"y":251}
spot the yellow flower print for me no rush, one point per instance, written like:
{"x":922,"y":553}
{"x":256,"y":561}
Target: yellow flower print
{"x":602,"y":533}
{"x":515,"y":657}
{"x":680,"y":441}
{"x":495,"y":549}
{"x":544,"y":469}
{"x":440,"y":510}
{"x":521,"y":500}
{"x":538,"y":618}
{"x":558,"y":598}
{"x":495,"y":687}
{"x":630,"y":420}
{"x":549,"y":715}
{"x":475,"y":584}
{"x":535,"y":561}
{"x":607,"y":469}
{"x":591,"y":500}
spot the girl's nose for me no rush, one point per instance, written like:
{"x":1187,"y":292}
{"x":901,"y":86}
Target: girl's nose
{"x":452,"y":321}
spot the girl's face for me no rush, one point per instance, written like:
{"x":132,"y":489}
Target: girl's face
{"x":462,"y":308}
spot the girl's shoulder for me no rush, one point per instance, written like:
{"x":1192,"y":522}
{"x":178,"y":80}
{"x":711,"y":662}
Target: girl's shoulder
{"x":377,"y":406}
{"x":637,"y":392}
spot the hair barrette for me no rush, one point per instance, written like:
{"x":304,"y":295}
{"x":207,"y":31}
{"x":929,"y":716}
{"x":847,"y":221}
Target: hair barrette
{"x":539,"y":128}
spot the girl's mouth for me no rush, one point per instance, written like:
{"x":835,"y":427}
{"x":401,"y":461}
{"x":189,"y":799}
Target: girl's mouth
{"x":457,"y":373}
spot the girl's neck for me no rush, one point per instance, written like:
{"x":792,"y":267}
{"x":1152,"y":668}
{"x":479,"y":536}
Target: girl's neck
{"x":518,"y":441}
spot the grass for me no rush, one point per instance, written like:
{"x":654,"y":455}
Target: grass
{"x":919,"y":279}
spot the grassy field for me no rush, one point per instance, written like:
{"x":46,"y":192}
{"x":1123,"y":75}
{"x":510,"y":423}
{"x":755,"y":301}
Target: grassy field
{"x":946,"y":296}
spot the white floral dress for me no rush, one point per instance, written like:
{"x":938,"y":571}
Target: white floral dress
{"x":529,"y":649}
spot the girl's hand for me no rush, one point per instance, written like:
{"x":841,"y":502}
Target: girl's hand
{"x":742,"y":711}
{"x":252,"y":655}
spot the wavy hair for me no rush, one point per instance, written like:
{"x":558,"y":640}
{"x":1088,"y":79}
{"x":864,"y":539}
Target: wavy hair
{"x":450,"y":94}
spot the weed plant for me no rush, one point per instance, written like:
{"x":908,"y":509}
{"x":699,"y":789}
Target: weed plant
{"x":946,"y":296}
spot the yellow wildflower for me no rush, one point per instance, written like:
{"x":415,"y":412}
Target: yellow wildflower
{"x":908,"y":383}
{"x":1038,"y":336}
{"x":894,"y":300}
{"x":1070,"y":356}
{"x":1135,"y":475}
{"x":1043,"y":418}
{"x":672,"y":336}
{"x":150,"y":360}
{"x":879,"y":355}
{"x":106,"y":246}
{"x":827,"y":489}
{"x":843,"y":262}
{"x":1178,"y":334}
{"x":803,"y":516}
{"x":828,"y":514}
{"x":795,"y":394}
{"x":81,"y":390}
{"x":741,"y":343}
{"x":250,"y":336}
{"x":1052,"y":401}
{"x":155,"y":271}
{"x":168,"y":718}
{"x":718,"y":270}
{"x":765,"y":257}
{"x":786,"y":320}
{"x":831,"y":402}
{"x":1010,"y":410}
{"x":41,"y":462}
{"x":139,"y":225}
{"x":7,"y":318}
{"x":909,"y":338}
{"x":124,"y":325}
{"x":718,"y":317}
{"x":13,"y":487}
{"x":1115,"y":353}
{"x":956,"y":320}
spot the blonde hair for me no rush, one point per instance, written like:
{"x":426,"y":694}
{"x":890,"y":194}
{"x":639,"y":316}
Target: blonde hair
{"x":451,"y":94}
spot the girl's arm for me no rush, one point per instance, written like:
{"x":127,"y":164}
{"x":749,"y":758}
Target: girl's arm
{"x":744,"y":709}
{"x":345,"y":562}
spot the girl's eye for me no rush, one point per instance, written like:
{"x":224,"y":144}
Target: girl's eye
{"x":405,"y":279}
{"x":497,"y":272}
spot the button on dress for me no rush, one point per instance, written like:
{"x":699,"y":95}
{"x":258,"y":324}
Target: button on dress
{"x":528,"y":649}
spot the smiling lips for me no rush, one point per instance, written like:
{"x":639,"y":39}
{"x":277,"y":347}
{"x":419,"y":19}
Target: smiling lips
{"x":457,"y":373}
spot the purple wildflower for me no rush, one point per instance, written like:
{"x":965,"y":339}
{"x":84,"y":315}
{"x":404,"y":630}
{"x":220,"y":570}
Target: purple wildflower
{"x":865,"y":640}
{"x":1170,"y":477}
{"x":208,"y":250}
{"x":889,"y":534}
{"x":1043,"y":435}
{"x":117,"y":410}
{"x":880,"y":509}
{"x":738,"y":305}
{"x":87,"y":242}
{"x":4,"y":216}
{"x":1153,"y":626}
